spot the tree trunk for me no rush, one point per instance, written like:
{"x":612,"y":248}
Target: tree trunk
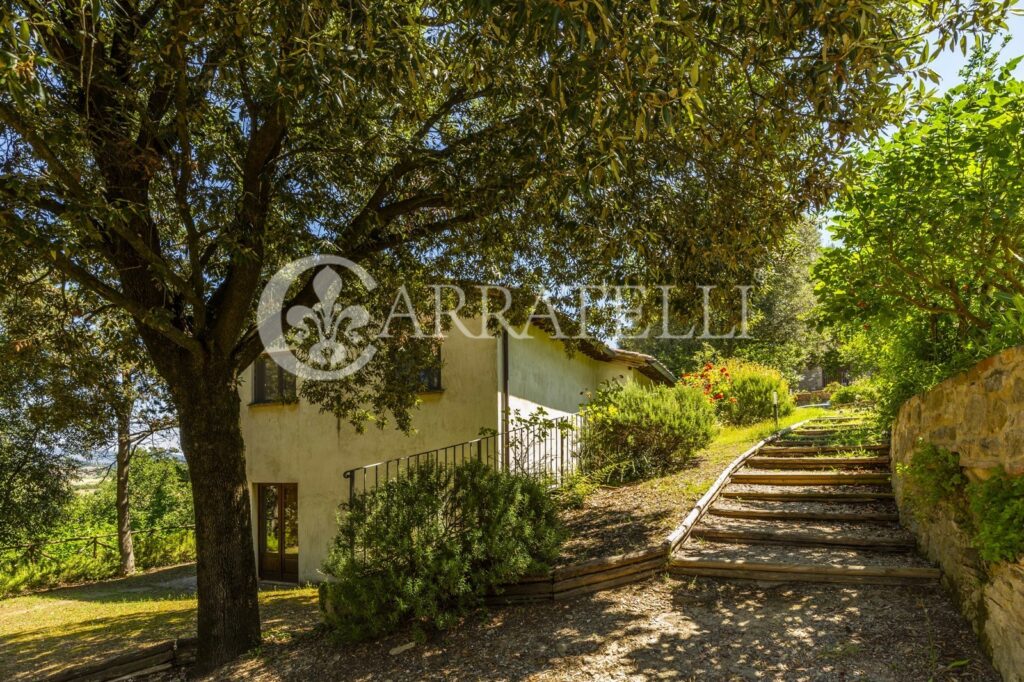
{"x":211,"y":439}
{"x":124,"y":519}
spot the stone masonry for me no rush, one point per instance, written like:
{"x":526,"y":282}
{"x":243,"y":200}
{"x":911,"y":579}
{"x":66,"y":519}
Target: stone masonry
{"x":978,"y":414}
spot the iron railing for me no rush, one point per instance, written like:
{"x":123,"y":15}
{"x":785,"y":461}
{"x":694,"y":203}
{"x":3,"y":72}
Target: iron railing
{"x":548,"y":450}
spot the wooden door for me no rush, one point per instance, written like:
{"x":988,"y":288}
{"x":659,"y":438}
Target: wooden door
{"x":278,"y":528}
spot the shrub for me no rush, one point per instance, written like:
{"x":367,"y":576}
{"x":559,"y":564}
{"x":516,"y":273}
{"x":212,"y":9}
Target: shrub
{"x":997,"y":514}
{"x":428,"y":546}
{"x":933,"y":476}
{"x":634,"y":432}
{"x":749,"y":397}
{"x":742,"y":391}
{"x":860,"y":391}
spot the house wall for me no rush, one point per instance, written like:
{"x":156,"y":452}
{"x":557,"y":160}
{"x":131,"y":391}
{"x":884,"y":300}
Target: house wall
{"x":299,"y":444}
{"x":542,"y":374}
{"x":979,"y":415}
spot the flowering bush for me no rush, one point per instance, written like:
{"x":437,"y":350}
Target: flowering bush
{"x":741,"y":391}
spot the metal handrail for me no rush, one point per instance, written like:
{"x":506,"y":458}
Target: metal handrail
{"x":549,"y":449}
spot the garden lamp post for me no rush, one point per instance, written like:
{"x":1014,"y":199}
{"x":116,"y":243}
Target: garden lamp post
{"x":775,"y":408}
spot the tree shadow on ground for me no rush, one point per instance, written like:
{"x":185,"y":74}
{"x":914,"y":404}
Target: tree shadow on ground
{"x":674,"y":630}
{"x":62,"y":628}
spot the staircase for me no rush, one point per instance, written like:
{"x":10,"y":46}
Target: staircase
{"x":815,"y":506}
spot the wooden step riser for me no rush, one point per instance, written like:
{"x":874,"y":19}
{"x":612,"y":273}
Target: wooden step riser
{"x":751,"y":538}
{"x":808,"y":497}
{"x":810,"y":479}
{"x":817,"y":452}
{"x":740,"y":574}
{"x":817,"y":463}
{"x":826,"y":569}
{"x":822,"y":442}
{"x":804,"y":516}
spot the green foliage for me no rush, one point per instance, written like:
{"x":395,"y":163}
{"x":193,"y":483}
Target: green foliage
{"x":75,"y":562}
{"x":862,"y":390}
{"x":574,"y":490}
{"x":632,"y":432}
{"x":742,"y":391}
{"x":928,"y":278}
{"x":161,"y":496}
{"x":996,"y":505}
{"x":933,"y":476}
{"x":749,"y":397}
{"x":161,"y":499}
{"x":621,"y":127}
{"x":781,"y":332}
{"x":430,"y":545}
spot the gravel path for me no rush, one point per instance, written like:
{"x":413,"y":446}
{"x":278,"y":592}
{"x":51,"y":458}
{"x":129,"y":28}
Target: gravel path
{"x":699,"y":629}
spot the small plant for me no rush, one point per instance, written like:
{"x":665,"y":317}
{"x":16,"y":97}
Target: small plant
{"x":427,"y":547}
{"x":860,"y":391}
{"x":997,"y":514}
{"x":574,"y":490}
{"x":932,"y":477}
{"x":633,"y":432}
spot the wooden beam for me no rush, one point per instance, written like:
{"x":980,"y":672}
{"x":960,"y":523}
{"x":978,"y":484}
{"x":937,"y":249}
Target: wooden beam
{"x":803,"y":539}
{"x":808,"y":497}
{"x":810,"y":479}
{"x":817,"y":462}
{"x":783,"y":515}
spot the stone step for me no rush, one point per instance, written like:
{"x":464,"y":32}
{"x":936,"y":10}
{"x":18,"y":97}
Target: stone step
{"x":795,"y":450}
{"x":828,"y":494}
{"x":803,"y":515}
{"x":802,"y":478}
{"x":818,"y":463}
{"x":827,"y":533}
{"x":883,"y":508}
{"x":800,"y":564}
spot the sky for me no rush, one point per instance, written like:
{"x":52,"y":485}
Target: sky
{"x":947,"y":65}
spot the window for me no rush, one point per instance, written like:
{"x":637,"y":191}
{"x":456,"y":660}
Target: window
{"x":430,"y":377}
{"x":272,"y":383}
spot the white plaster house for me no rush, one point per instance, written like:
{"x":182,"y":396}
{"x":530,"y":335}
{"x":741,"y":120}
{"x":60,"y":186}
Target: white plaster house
{"x":296,"y":456}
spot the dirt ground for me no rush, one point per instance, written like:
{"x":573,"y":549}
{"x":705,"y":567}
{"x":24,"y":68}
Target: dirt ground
{"x":667,"y":629}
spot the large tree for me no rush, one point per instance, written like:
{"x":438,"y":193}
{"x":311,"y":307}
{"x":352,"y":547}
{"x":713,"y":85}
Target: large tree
{"x":171,"y":156}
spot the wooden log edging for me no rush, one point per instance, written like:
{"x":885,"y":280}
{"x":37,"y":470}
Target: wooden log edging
{"x":605,"y":573}
{"x":147,"y":660}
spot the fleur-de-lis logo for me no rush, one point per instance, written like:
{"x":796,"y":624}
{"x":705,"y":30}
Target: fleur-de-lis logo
{"x":329,"y":331}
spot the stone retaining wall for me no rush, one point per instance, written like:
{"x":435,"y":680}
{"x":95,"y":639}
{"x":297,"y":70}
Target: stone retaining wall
{"x":978,"y":414}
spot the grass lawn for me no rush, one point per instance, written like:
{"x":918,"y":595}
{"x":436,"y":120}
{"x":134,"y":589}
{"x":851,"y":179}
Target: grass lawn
{"x":620,"y":519}
{"x":45,"y":632}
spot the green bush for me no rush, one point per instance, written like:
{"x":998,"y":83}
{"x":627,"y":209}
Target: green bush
{"x":633,"y":432}
{"x":932,"y":477}
{"x":748,"y":397}
{"x":997,"y":514}
{"x":428,"y":546}
{"x":860,"y":391}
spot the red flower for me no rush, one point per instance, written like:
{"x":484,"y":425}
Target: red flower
{"x":732,"y":400}
{"x":719,"y":396}
{"x":723,"y":370}
{"x":708,"y":366}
